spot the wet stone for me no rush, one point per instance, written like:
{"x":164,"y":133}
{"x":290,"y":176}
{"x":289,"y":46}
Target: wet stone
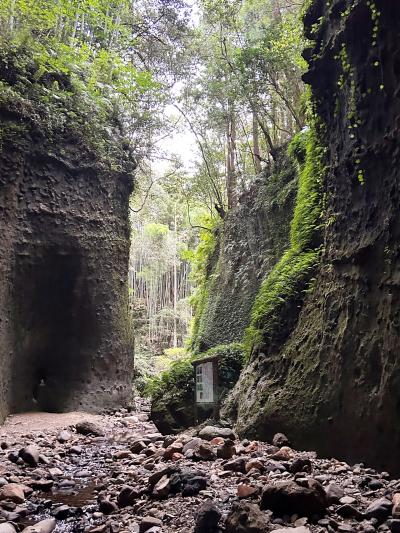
{"x":61,"y":512}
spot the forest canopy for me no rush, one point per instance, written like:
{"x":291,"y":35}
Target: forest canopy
{"x":205,"y":95}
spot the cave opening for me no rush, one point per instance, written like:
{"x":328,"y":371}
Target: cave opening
{"x":54,"y":329}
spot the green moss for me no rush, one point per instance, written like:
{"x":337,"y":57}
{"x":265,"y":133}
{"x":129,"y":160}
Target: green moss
{"x":227,"y":294}
{"x":57,"y":107}
{"x":306,"y":223}
{"x":201,"y":260}
{"x":175,"y":384}
{"x":283,"y":290}
{"x":278,"y":293}
{"x":172,"y":393}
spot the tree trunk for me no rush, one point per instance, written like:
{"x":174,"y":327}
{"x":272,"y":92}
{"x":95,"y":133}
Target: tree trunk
{"x":256,"y":145}
{"x":231,"y":177}
{"x":175,"y":336}
{"x":12,"y":14}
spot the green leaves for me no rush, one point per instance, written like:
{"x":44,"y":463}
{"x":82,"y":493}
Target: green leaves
{"x":82,"y":39}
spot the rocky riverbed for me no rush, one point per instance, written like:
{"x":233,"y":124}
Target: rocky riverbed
{"x":117,"y":474}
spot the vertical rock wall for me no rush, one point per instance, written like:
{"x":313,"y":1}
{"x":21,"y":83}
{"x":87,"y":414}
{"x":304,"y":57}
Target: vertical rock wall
{"x":334,"y":384}
{"x":250,"y":242}
{"x":65,"y":339}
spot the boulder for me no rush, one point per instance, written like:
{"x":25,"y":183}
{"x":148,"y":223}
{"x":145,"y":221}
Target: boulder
{"x":14,"y":492}
{"x":379,"y":509}
{"x":62,"y":512}
{"x":236,"y":465}
{"x":194,"y":485}
{"x":280,"y":440}
{"x":396,"y":505}
{"x":247,"y":518}
{"x":44,"y":526}
{"x":287,"y":498}
{"x":205,"y":453}
{"x":300,"y":529}
{"x":64,"y":436}
{"x":394,"y":525}
{"x":300,"y":464}
{"x":193,"y":444}
{"x":127,"y":496}
{"x":334,"y":493}
{"x":254,"y":464}
{"x":210,"y":432}
{"x":207,"y":518}
{"x":108,"y":507}
{"x":348,"y":511}
{"x":149,"y":522}
{"x":283,"y":454}
{"x":138,"y":446}
{"x":244,"y":490}
{"x":162,"y":488}
{"x":89,"y":428}
{"x":7,"y":528}
{"x":226,"y":450}
{"x":175,"y":447}
{"x":30,"y":455}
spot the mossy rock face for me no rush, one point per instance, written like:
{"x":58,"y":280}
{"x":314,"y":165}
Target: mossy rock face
{"x":332,"y":383}
{"x":250,"y":242}
{"x":66,"y":175}
{"x":57,"y":111}
{"x":172,"y":394}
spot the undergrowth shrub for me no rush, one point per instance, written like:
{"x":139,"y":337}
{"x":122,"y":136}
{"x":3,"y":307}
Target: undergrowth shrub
{"x":172,"y":392}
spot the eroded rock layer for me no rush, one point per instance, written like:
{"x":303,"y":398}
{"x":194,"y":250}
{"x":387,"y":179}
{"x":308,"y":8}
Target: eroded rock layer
{"x":64,"y":336}
{"x":334,"y":383}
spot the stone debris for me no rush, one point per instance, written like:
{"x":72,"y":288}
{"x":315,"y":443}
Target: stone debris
{"x":124,"y":477}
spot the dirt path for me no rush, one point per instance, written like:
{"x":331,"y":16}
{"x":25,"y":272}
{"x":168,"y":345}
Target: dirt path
{"x":39,"y":422}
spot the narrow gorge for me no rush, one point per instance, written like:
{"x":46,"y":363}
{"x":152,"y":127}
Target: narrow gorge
{"x":199,"y":267}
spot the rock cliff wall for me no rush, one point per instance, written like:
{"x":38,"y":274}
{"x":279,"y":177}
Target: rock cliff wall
{"x":333,"y":383}
{"x":249,"y":243}
{"x":65,"y":340}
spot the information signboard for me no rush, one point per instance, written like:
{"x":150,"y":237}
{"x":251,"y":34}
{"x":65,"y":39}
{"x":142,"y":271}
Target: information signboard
{"x":205,"y":382}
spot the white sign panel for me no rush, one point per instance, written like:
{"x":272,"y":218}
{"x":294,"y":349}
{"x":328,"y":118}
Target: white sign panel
{"x":204,"y":383}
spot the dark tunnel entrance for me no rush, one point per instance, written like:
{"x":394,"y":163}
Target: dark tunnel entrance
{"x":54,"y":332}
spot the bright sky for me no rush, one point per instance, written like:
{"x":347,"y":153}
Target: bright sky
{"x":182,"y":143}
